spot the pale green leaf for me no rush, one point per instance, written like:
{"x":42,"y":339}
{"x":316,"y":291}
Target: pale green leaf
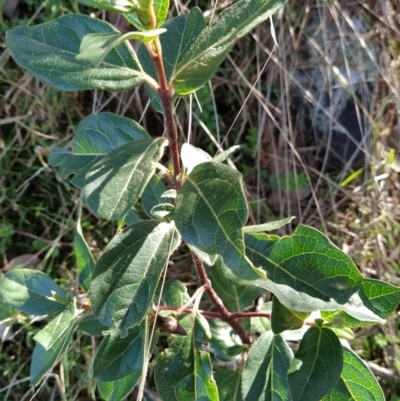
{"x":283,"y":319}
{"x":192,"y":156}
{"x":114,"y":183}
{"x":161,"y":10}
{"x":356,"y":383}
{"x":209,"y":50}
{"x":49,"y":51}
{"x":31,"y":292}
{"x":117,"y":6}
{"x":221,"y":157}
{"x":224,"y":341}
{"x":273,"y":225}
{"x":265,"y":375}
{"x":321,"y":362}
{"x":211,"y":210}
{"x":52,"y":341}
{"x":127,"y":274}
{"x":174,"y":294}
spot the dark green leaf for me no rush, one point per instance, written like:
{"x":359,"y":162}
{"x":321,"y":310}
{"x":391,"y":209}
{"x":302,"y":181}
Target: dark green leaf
{"x":84,"y":258}
{"x":321,"y":357}
{"x":357,"y":383}
{"x":151,"y":195}
{"x":117,"y":390}
{"x":31,"y":292}
{"x":235,"y":297}
{"x":114,"y":183}
{"x":210,"y":213}
{"x":265,"y":376}
{"x":96,"y":135}
{"x":52,"y":341}
{"x":127,"y":274}
{"x":118,"y":357}
{"x":209,"y":50}
{"x":273,"y":225}
{"x":382,"y":298}
{"x":285,"y":319}
{"x":181,"y":33}
{"x":306,"y":261}
{"x":228,"y":383}
{"x":91,"y":326}
{"x":49,"y":51}
{"x":117,"y":6}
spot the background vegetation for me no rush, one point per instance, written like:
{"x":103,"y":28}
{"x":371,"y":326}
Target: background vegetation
{"x":290,"y":95}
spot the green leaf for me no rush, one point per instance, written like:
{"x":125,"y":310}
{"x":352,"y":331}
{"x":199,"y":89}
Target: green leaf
{"x":265,"y":376}
{"x":117,"y":6}
{"x":285,"y":319}
{"x":321,"y":357}
{"x":174,"y":294}
{"x":382,"y":298}
{"x":49,"y":51}
{"x":224,"y":341}
{"x":306,"y":261}
{"x":210,"y":212}
{"x":114,"y":183}
{"x":192,"y":157}
{"x":118,"y":357}
{"x":161,"y":10}
{"x":182,"y":371}
{"x":221,"y":157}
{"x":181,"y":33}
{"x":357,"y":383}
{"x":273,"y":225}
{"x":52,"y":341}
{"x":340,"y":319}
{"x":95,"y":46}
{"x":262,"y":324}
{"x":210,"y":49}
{"x":228,"y":383}
{"x":152,"y":194}
{"x":235,"y":297}
{"x":96,"y":135}
{"x":84,"y":258}
{"x":127,"y":274}
{"x":117,"y":390}
{"x":91,"y":326}
{"x":356,"y":308}
{"x":31,"y":292}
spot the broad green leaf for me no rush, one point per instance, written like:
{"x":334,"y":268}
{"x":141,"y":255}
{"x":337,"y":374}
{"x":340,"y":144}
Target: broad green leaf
{"x":84,"y":258}
{"x":96,"y":135}
{"x":228,"y":383}
{"x":49,"y":51}
{"x":152,"y":194}
{"x":95,"y":46}
{"x":308,"y":262}
{"x":213,"y":44}
{"x":181,"y":33}
{"x":114,"y":183}
{"x":356,"y":383}
{"x":265,"y":375}
{"x":91,"y":326}
{"x":235,"y":297}
{"x":210,"y":212}
{"x":192,"y":156}
{"x":273,"y":225}
{"x":52,"y":341}
{"x":118,"y":357}
{"x":174,"y":294}
{"x":127,"y":274}
{"x":355,"y":307}
{"x":161,"y":10}
{"x":117,"y":390}
{"x":283,"y":319}
{"x":31,"y":292}
{"x":117,"y":6}
{"x":382,"y":298}
{"x":182,"y":371}
{"x":340,"y":319}
{"x":321,"y":357}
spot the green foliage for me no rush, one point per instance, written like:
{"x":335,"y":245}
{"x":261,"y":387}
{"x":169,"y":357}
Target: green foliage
{"x":316,"y":289}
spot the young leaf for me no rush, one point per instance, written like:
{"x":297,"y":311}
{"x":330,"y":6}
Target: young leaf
{"x":356,"y":383}
{"x":117,"y":6}
{"x":285,"y":319}
{"x":52,"y":341}
{"x":382,"y":298}
{"x":228,"y":383}
{"x":31,"y":292}
{"x":183,"y":372}
{"x":118,"y":357}
{"x":95,"y":46}
{"x":152,"y":194}
{"x":114,"y":183}
{"x":273,"y":225}
{"x":117,"y":390}
{"x":265,"y":376}
{"x":213,"y":44}
{"x":321,"y":357}
{"x":49,"y":51}
{"x":174,"y":293}
{"x":161,"y":10}
{"x":84,"y":258}
{"x":192,"y":156}
{"x":127,"y":274}
{"x":96,"y":135}
{"x":221,"y":157}
{"x":210,"y":212}
{"x":182,"y":31}
{"x":308,"y":262}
